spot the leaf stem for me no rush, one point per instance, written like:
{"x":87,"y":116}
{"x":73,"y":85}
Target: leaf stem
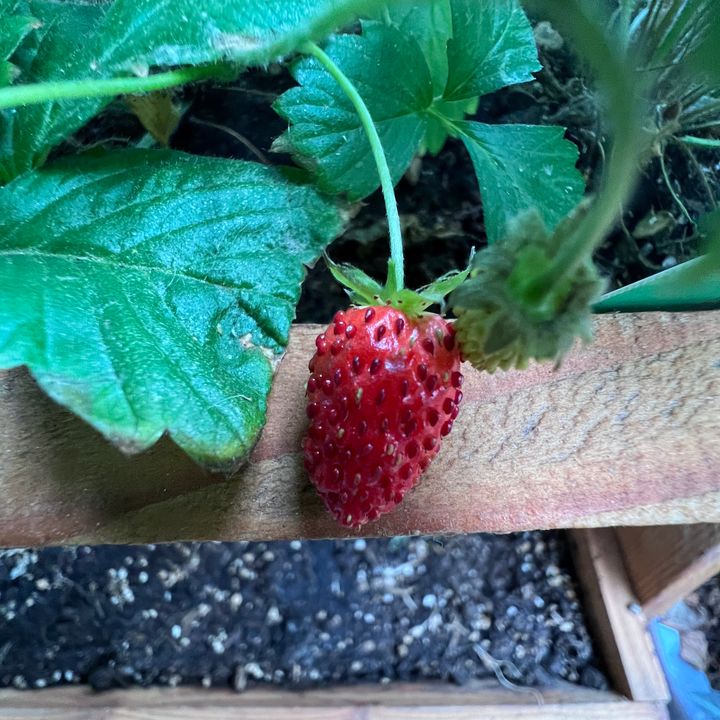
{"x":33,"y":93}
{"x":700,"y":142}
{"x":393,"y":217}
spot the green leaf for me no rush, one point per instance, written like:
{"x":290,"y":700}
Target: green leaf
{"x":706,"y":58}
{"x":438,"y":289}
{"x":692,"y":285}
{"x":392,"y":77}
{"x":431,"y":25}
{"x":709,"y":227}
{"x":492,"y":46}
{"x":445,"y":110}
{"x":396,"y":70}
{"x":51,"y":53}
{"x":128,"y":37}
{"x":8,"y":73}
{"x":251,"y":32}
{"x":427,"y":65}
{"x":520,"y":167}
{"x":152,"y":291}
{"x":13,"y":28}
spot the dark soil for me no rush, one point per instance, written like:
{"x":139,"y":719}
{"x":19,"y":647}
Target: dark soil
{"x":295,"y":614}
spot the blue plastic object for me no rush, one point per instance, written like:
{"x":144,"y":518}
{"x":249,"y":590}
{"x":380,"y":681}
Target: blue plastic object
{"x":692,"y":696}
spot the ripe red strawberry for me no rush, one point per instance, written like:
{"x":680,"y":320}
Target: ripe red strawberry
{"x":383,"y":391}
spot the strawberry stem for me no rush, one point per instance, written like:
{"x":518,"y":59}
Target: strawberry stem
{"x":396,"y":267}
{"x":33,"y":93}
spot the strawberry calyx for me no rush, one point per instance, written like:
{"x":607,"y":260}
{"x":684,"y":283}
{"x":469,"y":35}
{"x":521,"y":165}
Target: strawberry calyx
{"x":505,"y":317}
{"x":364,"y":290}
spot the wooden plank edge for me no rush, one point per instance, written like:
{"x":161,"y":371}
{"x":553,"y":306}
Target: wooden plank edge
{"x":589,"y":711}
{"x":620,"y":632}
{"x":177,"y":711}
{"x":422,"y":694}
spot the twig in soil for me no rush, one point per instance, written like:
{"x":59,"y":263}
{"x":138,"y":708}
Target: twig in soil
{"x":406,"y":595}
{"x":633,"y":242}
{"x":88,"y":596}
{"x":495,"y":666}
{"x":83,"y":147}
{"x":235,"y":134}
{"x":690,"y":155}
{"x":675,"y":196}
{"x":252,"y":91}
{"x":705,"y":116}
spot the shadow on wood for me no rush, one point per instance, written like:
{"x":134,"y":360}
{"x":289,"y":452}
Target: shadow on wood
{"x":665,"y":564}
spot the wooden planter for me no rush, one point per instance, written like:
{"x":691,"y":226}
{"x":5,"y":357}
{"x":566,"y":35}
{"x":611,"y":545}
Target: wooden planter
{"x":624,"y":433}
{"x":640,"y":689}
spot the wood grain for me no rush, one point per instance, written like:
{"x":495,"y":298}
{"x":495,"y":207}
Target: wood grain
{"x":427,"y":694}
{"x":395,"y":702}
{"x":665,"y":564}
{"x":627,"y":649}
{"x":626,"y":423}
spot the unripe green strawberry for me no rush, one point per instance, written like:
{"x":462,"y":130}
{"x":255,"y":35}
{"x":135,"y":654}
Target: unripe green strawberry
{"x":383,"y":391}
{"x":500,"y":324}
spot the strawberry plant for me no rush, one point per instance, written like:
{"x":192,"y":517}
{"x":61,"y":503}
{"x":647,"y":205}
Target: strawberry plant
{"x":151,"y":292}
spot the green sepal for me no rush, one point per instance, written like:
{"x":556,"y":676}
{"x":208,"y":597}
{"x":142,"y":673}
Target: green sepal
{"x":437,"y":290}
{"x":360,"y":287}
{"x":363,"y":290}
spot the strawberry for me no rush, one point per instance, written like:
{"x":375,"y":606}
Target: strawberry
{"x":383,"y":391}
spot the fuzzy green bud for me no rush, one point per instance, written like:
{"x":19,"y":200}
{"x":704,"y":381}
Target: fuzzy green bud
{"x":505,"y":318}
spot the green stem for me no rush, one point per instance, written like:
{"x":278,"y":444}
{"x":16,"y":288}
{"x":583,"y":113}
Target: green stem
{"x":396,"y":246}
{"x":31,"y":94}
{"x":611,"y":69}
{"x":625,"y":13}
{"x":700,"y":142}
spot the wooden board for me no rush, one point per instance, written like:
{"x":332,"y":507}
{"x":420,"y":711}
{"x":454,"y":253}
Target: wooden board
{"x":601,"y":711}
{"x":665,"y":564}
{"x":396,"y":702}
{"x":629,"y":422}
{"x":620,"y":633}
